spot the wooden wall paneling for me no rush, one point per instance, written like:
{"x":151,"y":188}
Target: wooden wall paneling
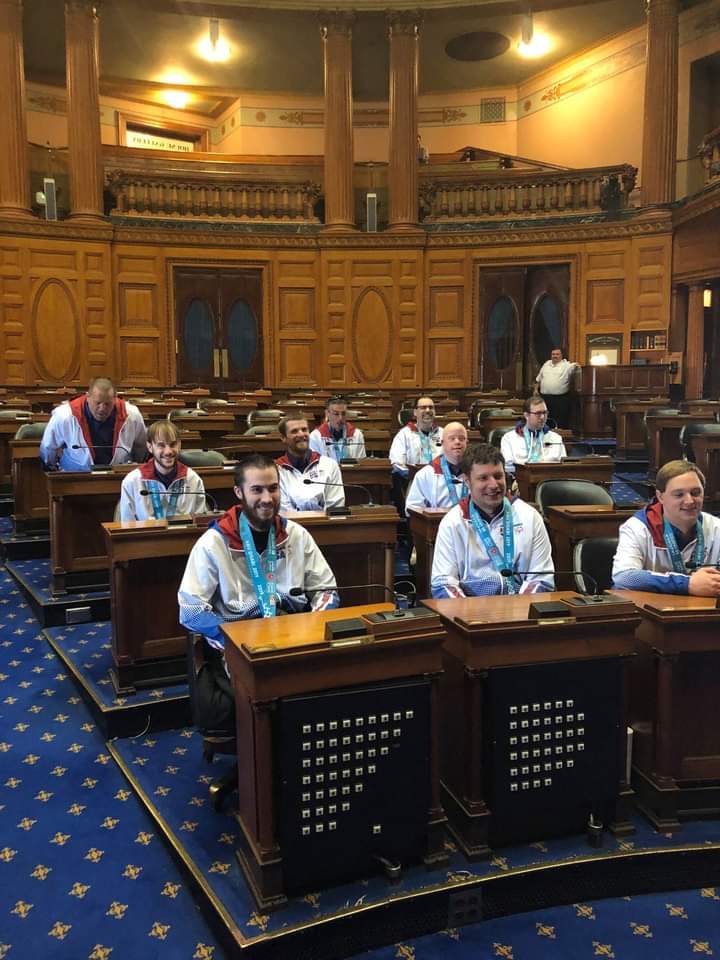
{"x":651,"y":283}
{"x":449,"y":341}
{"x":696,"y":248}
{"x":408,"y":369}
{"x":14,"y":296}
{"x":143,"y":317}
{"x":335,"y":272}
{"x":298,"y":358}
{"x":607,"y":297}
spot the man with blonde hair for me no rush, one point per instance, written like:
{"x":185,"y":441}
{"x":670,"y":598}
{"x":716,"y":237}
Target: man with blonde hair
{"x":308,"y":481}
{"x":162,"y":486}
{"x":671,"y":546}
{"x":441,"y":482}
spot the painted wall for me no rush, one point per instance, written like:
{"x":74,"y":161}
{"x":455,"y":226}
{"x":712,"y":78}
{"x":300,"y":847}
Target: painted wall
{"x":699,"y":37}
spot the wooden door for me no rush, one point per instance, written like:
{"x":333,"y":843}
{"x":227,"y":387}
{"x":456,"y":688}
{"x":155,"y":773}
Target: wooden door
{"x":218,"y":324}
{"x":502,"y":310}
{"x":547,"y":291}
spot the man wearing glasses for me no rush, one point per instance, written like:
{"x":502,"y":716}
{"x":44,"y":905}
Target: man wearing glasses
{"x":532,"y":441}
{"x":337,"y":437}
{"x":419,"y":442}
{"x":671,"y":546}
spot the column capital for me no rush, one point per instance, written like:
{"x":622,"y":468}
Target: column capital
{"x":404,"y":22}
{"x":659,"y":7}
{"x":17,"y":4}
{"x":336,"y":22}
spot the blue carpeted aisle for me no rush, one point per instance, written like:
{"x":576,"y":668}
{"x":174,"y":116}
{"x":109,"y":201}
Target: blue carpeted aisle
{"x":664,"y":926}
{"x":83,"y":871}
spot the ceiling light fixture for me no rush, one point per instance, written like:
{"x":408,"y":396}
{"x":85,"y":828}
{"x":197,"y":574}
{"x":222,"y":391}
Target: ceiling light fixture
{"x":533,"y":43}
{"x":177,"y":99}
{"x":707,"y":297}
{"x":213,"y":47}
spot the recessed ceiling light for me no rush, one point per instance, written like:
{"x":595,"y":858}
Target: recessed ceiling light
{"x":177,"y":99}
{"x":478,"y":45}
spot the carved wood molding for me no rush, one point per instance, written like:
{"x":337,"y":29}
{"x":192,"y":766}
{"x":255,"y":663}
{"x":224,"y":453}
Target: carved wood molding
{"x":58,"y":229}
{"x":598,"y":231}
{"x":705,"y":202}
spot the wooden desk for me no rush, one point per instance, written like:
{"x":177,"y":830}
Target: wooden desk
{"x":373,"y":473}
{"x":81,"y":502}
{"x":706,"y":448}
{"x":630,"y":421}
{"x":664,"y":437}
{"x":562,"y":686}
{"x":529,"y":475}
{"x":211,"y":428}
{"x":674,"y":708}
{"x":8,"y":429}
{"x":29,"y":486}
{"x":423,"y":527}
{"x":308,"y":814}
{"x":147,"y":560}
{"x":567,"y":525}
{"x":360,"y":549}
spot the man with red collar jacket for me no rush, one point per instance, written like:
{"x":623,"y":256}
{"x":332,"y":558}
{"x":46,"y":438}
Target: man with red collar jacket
{"x":663,"y":548}
{"x":419,"y":442}
{"x":97,"y":428}
{"x":307,"y":480}
{"x":164,"y":486}
{"x":441,"y":483}
{"x":532,"y":441}
{"x":251,"y":563}
{"x":337,"y":437}
{"x":490,"y":544}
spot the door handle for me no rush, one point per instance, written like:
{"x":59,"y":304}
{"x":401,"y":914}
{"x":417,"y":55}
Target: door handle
{"x":216,"y":362}
{"x":225,"y":362}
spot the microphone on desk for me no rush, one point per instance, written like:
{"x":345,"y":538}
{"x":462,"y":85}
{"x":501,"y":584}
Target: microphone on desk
{"x":553,"y":608}
{"x":508,"y":573}
{"x":352,"y":486}
{"x":188,"y":493}
{"x":99,"y":446}
{"x":399,"y":613}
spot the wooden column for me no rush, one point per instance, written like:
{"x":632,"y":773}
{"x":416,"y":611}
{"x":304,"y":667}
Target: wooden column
{"x":695,"y":349}
{"x":14,"y":174}
{"x":336,"y":31}
{"x":661,"y":93}
{"x":404,"y":32}
{"x":83,"y":80}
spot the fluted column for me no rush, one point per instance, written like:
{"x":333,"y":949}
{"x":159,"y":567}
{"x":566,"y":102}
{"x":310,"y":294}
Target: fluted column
{"x":661,"y":93}
{"x":695,"y":347}
{"x":83,"y":83}
{"x":336,"y":32}
{"x":404,"y":32}
{"x":14,"y":175}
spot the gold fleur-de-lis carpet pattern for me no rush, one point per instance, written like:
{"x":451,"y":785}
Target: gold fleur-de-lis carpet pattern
{"x":83,"y":872}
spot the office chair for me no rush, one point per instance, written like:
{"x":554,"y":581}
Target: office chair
{"x":186,"y":412}
{"x":594,"y":556}
{"x":558,"y":493}
{"x":691,"y":430}
{"x":30,"y":431}
{"x":261,"y":417}
{"x":201,"y":458}
{"x":496,"y":434}
{"x":217,"y":727}
{"x":261,"y":430}
{"x":8,"y":414}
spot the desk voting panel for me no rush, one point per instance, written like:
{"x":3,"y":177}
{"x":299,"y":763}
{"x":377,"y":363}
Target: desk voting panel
{"x":337,"y":748}
{"x":674,"y":697}
{"x":147,"y":560}
{"x":536,"y":715}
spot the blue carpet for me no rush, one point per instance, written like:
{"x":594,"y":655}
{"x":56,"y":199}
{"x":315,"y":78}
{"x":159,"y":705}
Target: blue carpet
{"x":7,"y":526}
{"x":87,"y":647}
{"x":83,"y":871}
{"x":35,"y":576}
{"x":665,"y":926}
{"x":169,"y":770}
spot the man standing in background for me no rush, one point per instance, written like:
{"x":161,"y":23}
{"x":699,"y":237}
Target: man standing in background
{"x":553,"y":383}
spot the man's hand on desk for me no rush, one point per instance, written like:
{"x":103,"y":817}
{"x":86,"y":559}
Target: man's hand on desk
{"x":705,"y":582}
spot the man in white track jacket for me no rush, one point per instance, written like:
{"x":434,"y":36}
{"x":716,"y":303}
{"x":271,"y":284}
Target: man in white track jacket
{"x":441,"y":483}
{"x":163,"y":486}
{"x":307,"y":480}
{"x":489,"y":544}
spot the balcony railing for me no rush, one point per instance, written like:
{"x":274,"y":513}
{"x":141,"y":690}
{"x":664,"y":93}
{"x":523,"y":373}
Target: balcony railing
{"x":451,"y":194}
{"x":155,"y":185}
{"x":710,"y":155}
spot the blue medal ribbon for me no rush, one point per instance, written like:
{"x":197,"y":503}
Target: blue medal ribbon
{"x":339,"y":446}
{"x":534,"y":450}
{"x":262,"y":575}
{"x":482,"y":529}
{"x":160,"y":509}
{"x":455,"y":497}
{"x":426,"y":451}
{"x":674,"y":552}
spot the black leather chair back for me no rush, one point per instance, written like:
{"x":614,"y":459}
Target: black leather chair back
{"x":594,"y":556}
{"x":556,"y":493}
{"x":691,"y":430}
{"x":496,"y":435}
{"x":201,"y":458}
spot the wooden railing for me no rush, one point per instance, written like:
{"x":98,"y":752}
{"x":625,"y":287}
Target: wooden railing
{"x":450,"y":194}
{"x":149,"y":183}
{"x":710,"y":155}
